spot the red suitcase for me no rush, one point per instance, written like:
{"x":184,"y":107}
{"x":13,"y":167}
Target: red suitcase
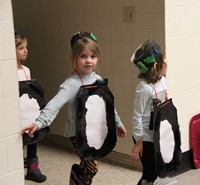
{"x":195,"y":139}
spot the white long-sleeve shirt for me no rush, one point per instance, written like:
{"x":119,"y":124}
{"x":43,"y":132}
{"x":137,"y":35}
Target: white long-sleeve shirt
{"x":143,"y":107}
{"x":67,"y":94}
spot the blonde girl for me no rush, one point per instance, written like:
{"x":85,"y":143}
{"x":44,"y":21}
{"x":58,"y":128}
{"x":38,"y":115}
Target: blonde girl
{"x":85,"y":56}
{"x":31,"y":161}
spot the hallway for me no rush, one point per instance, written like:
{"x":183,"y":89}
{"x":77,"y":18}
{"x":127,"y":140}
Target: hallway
{"x":56,"y":164}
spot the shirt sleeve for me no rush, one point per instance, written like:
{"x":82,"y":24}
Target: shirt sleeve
{"x":117,"y":120}
{"x":51,"y":110}
{"x":142,"y":96}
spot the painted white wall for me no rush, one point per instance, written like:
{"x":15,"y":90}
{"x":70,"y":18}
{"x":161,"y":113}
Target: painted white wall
{"x":11,"y":156}
{"x":182,"y":29}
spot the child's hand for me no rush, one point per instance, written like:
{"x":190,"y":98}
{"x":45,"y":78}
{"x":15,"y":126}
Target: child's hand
{"x":121,"y":131}
{"x":137,"y":150}
{"x":31,"y":129}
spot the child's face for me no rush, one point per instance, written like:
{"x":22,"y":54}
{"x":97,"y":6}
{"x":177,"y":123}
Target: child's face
{"x":22,"y":51}
{"x":87,"y":61}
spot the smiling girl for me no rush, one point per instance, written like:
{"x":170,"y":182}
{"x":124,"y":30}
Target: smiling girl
{"x":85,"y":56}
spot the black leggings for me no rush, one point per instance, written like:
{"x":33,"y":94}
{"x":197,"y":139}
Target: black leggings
{"x":32,"y":151}
{"x":148,"y":162}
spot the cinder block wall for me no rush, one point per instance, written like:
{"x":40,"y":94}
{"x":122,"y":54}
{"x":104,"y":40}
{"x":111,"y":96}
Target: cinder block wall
{"x":182,"y":30}
{"x":11,"y":156}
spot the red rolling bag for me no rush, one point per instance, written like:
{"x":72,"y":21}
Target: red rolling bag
{"x":195,"y":139}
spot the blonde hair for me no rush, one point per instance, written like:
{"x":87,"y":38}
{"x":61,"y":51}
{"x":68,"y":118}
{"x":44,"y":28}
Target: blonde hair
{"x":19,"y":39}
{"x":82,"y":44}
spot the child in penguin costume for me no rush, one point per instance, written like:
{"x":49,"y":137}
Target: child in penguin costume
{"x":155,"y":130}
{"x":92,"y":119}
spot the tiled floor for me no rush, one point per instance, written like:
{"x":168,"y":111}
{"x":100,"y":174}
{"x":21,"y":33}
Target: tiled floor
{"x":56,"y":164}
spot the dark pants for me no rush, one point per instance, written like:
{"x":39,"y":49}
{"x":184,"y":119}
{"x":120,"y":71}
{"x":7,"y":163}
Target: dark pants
{"x":148,"y":162}
{"x":32,"y":151}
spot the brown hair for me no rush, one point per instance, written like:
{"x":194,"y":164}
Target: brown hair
{"x":154,"y":74}
{"x":80,"y":45}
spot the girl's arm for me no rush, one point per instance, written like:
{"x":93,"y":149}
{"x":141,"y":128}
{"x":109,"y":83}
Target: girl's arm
{"x":137,"y":150}
{"x":49,"y":113}
{"x":121,"y":130}
{"x":142,"y":96}
{"x":51,"y":110}
{"x":65,"y":94}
